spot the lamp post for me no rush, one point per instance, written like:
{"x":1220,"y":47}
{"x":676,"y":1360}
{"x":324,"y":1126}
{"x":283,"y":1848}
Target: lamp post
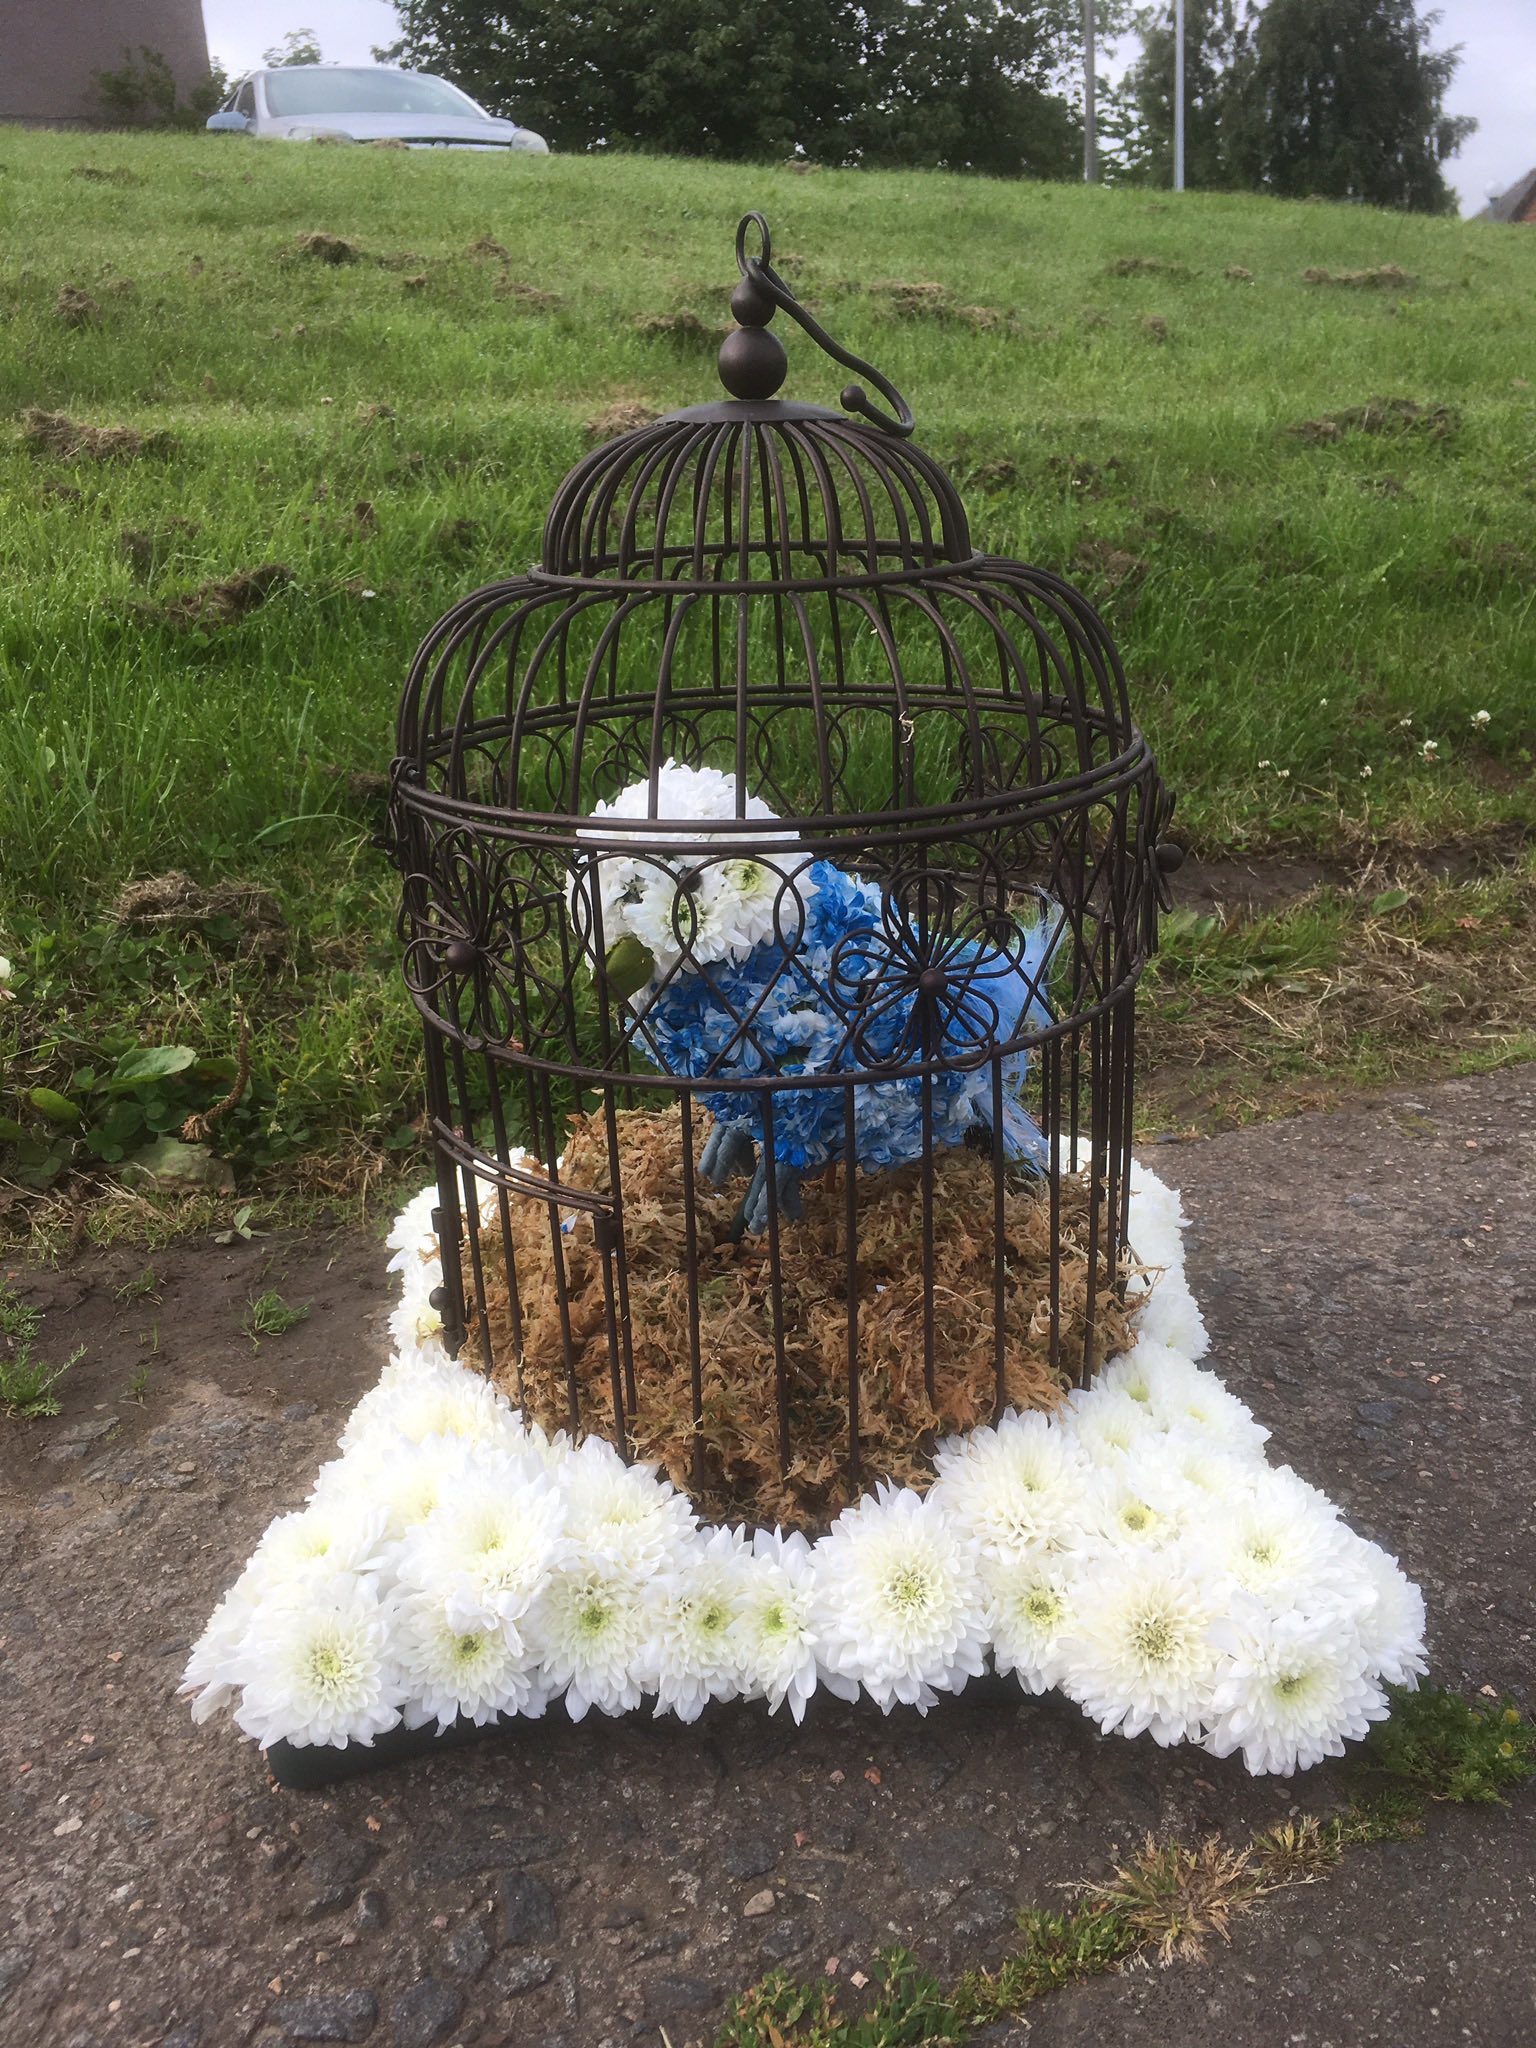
{"x":1178,"y":95}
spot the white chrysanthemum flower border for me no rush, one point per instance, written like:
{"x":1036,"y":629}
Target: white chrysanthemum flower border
{"x":1136,"y":1552}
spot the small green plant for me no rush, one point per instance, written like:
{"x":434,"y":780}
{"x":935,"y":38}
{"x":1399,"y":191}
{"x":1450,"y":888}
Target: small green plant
{"x":26,"y":1383}
{"x":138,"y":1386}
{"x":1442,"y":1746}
{"x":268,"y":1315}
{"x":144,"y":1286}
{"x":239,"y":1226}
{"x":125,"y":1099}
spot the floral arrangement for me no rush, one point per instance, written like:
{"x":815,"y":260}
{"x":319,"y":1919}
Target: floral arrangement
{"x":1134,"y":1551}
{"x":782,"y":964}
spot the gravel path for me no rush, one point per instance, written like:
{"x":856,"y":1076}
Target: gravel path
{"x":1371,"y":1290}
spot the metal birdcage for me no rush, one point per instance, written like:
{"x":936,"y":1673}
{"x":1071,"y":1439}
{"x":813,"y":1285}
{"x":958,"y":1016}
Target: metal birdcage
{"x":666,"y":1142}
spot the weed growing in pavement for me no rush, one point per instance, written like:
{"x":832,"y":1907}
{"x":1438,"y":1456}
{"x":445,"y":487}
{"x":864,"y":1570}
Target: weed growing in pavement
{"x":268,"y":1315}
{"x":27,"y":1383}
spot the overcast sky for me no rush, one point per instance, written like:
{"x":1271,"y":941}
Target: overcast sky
{"x":1496,"y":82}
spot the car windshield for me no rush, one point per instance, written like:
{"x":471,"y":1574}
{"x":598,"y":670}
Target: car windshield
{"x":301,"y":89}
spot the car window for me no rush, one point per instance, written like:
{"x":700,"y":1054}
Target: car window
{"x":245,"y":100}
{"x":311,"y":89}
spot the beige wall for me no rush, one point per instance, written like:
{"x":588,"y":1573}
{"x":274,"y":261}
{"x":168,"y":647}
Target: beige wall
{"x":50,"y":48}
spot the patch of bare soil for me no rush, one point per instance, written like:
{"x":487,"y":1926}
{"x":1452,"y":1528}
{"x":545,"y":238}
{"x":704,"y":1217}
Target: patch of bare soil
{"x":684,"y":328}
{"x":528,"y":296}
{"x":55,"y":433}
{"x":623,"y":416}
{"x":77,"y":308}
{"x":1148,"y":266}
{"x":1388,"y":416}
{"x":328,"y":248}
{"x":1367,"y":1281}
{"x":228,"y":600}
{"x":929,"y":301}
{"x":1384,"y":277}
{"x":95,"y":175}
{"x":174,"y":902}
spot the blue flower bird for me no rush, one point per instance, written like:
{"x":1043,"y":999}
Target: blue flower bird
{"x":789,"y":967}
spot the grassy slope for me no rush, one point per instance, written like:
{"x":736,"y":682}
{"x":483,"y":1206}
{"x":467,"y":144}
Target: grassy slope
{"x":1291,"y":602}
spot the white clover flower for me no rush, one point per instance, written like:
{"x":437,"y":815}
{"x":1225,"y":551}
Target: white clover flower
{"x":624,"y":1516}
{"x":1012,"y":1489}
{"x":1367,"y":772}
{"x":1481,"y":720}
{"x":900,"y":1605}
{"x":492,"y":1546}
{"x":1430,"y":751}
{"x":1292,"y":1688}
{"x":449,"y":1670}
{"x":591,"y":1632}
{"x":339,"y":1536}
{"x":1140,"y":1656}
{"x":1106,"y":1424}
{"x":318,"y":1667}
{"x":1390,"y":1621}
{"x":1029,"y":1610}
{"x":775,"y":1625}
{"x":694,"y":1651}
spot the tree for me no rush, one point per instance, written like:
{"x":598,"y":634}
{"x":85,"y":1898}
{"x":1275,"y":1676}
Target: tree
{"x":299,"y":46}
{"x":963,"y":83}
{"x":1328,"y":99}
{"x":1344,"y":99}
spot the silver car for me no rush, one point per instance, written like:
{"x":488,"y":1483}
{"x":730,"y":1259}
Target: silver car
{"x":366,"y":103}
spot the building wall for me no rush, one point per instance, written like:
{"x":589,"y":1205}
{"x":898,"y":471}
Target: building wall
{"x":49,"y":50}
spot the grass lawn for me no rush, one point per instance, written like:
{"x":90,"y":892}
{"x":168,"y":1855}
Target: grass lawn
{"x":1307,"y":585}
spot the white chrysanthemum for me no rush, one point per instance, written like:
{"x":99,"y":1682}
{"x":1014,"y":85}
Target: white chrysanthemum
{"x":1187,"y":1399}
{"x":1389,"y":1613}
{"x":448,"y":1670}
{"x":1140,"y":1656}
{"x":1282,"y":1541}
{"x":405,"y":1480}
{"x":624,"y":1516}
{"x":1107,"y":1425}
{"x":492,"y":1546}
{"x":591,"y":1631}
{"x":1207,"y":1473}
{"x":1156,"y":1223}
{"x":693,"y":1653}
{"x":318,"y":1667}
{"x":900,"y":1605}
{"x":1129,"y":1506}
{"x":1030,"y":1608}
{"x":775,"y":1627}
{"x":415,"y":1326}
{"x":340,"y":1535}
{"x":1292,"y":1689}
{"x":1012,"y":1489}
{"x":213,"y":1673}
{"x":1171,"y":1316}
{"x":435,"y":1400}
{"x":411,"y":1238}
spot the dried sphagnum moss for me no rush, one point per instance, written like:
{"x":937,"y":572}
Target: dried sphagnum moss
{"x":730,"y":1465}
